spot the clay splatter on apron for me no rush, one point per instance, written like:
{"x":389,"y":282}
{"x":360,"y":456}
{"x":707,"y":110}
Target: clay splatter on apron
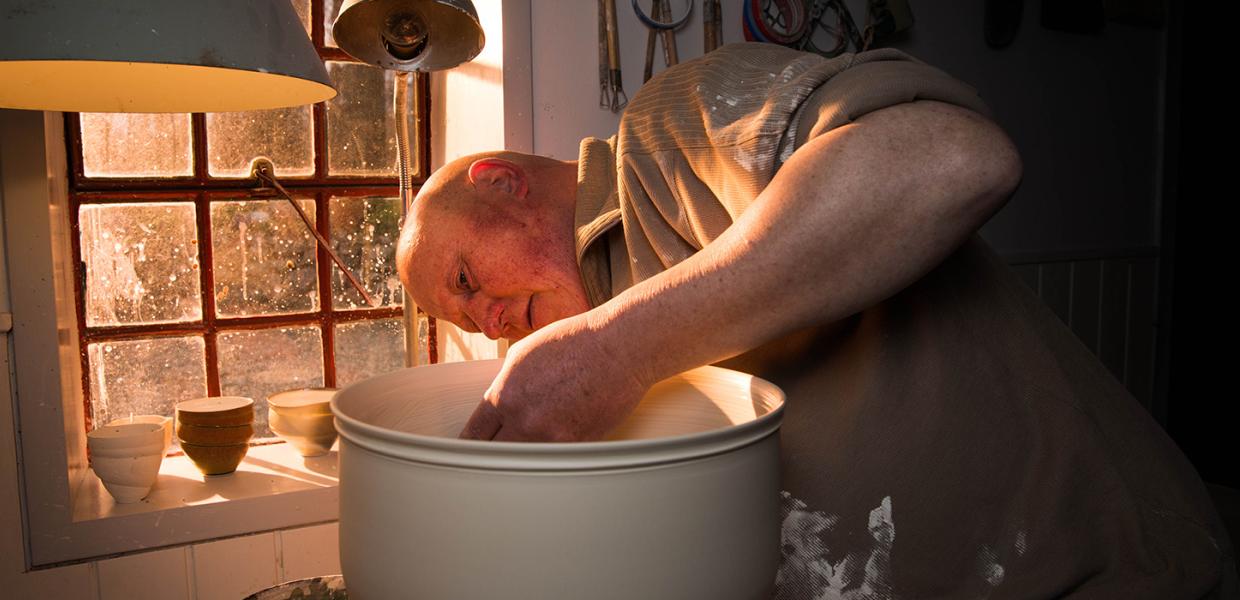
{"x":805,"y":572}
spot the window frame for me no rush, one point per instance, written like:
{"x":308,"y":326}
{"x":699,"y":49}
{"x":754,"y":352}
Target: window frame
{"x":202,"y":189}
{"x":48,"y":343}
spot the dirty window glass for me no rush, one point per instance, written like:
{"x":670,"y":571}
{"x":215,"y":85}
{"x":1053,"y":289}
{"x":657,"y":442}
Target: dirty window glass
{"x":136,"y":145}
{"x":361,"y":132}
{"x":258,"y":363}
{"x":284,"y":135}
{"x":141,"y":263}
{"x":364,"y":232}
{"x":144,"y":376}
{"x":264,"y":258}
{"x":368,"y":348}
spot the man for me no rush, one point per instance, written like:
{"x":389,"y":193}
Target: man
{"x":812,"y":221}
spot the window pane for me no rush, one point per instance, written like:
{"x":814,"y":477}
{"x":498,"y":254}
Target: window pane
{"x":264,"y":258}
{"x":331,"y":10}
{"x":284,"y":135}
{"x":361,"y":133}
{"x":144,"y":376}
{"x":258,"y":363}
{"x":141,"y":263}
{"x":424,"y":339}
{"x":364,"y":232}
{"x":368,"y":348}
{"x":136,"y":145}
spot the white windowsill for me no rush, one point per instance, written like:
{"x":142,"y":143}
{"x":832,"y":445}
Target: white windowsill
{"x":267,"y":470}
{"x":273,"y":488}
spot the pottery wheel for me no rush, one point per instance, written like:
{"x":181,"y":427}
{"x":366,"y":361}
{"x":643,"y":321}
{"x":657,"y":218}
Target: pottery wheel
{"x":328,"y":587}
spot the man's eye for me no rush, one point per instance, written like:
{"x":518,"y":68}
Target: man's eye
{"x":461,"y":280}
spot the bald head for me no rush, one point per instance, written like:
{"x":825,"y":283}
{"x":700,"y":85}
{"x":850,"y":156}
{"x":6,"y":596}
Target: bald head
{"x":488,"y":244}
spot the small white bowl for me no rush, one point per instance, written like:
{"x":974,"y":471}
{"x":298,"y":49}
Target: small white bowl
{"x":303,"y":418}
{"x":126,"y":457}
{"x":166,"y":422}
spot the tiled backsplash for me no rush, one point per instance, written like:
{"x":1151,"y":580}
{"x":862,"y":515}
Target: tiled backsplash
{"x":228,"y":569}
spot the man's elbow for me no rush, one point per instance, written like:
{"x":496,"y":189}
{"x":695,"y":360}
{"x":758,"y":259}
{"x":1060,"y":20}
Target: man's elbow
{"x":987,"y":162}
{"x":955,"y":158}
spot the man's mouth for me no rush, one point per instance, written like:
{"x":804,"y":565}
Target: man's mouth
{"x":529,"y":315}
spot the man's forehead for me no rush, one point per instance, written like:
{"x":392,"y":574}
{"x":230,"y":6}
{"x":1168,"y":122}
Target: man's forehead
{"x":430,"y":265}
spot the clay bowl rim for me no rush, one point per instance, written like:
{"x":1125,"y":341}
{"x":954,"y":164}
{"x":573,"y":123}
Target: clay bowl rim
{"x":193,"y":426}
{"x":557,"y":456}
{"x":274,"y":402}
{"x":180,"y":406}
{"x":131,"y":419}
{"x":315,"y":418}
{"x":138,"y":432}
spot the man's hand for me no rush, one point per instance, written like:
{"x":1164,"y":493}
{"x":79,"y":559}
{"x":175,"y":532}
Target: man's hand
{"x":545,"y":393}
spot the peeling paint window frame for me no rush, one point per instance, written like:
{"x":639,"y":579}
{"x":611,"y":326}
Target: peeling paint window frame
{"x":203,"y":189}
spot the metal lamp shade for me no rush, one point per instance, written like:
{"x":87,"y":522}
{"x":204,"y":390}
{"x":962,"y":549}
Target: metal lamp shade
{"x":166,"y":56}
{"x":451,"y":29}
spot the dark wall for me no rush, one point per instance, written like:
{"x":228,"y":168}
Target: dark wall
{"x":1198,"y":348}
{"x":1084,"y":109}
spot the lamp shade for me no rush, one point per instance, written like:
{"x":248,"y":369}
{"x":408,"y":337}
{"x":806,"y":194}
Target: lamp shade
{"x":164,"y":56}
{"x":409,"y":35}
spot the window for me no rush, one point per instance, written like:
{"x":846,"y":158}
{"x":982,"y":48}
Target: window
{"x":190,"y":282}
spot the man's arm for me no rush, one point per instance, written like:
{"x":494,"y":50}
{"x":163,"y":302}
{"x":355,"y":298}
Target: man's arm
{"x":853,"y":217}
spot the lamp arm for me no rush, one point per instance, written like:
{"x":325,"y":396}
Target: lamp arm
{"x":264,"y":170}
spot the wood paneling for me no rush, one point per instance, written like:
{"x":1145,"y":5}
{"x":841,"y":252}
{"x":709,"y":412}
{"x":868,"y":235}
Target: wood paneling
{"x":1111,"y":305}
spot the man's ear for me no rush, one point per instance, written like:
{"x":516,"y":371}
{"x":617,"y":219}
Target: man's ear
{"x":499,"y":174}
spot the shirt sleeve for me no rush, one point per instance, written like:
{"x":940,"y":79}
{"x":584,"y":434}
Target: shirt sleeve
{"x":877,"y":80}
{"x":699,"y":143}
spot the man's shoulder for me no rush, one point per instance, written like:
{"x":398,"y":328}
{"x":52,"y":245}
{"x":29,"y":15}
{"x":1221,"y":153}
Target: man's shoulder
{"x":732,"y":91}
{"x":739,"y":56}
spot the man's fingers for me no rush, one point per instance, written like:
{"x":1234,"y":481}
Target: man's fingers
{"x":483,"y":424}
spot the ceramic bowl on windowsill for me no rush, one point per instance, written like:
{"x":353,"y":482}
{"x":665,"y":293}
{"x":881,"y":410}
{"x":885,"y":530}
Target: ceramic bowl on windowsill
{"x":215,"y":432}
{"x":126,"y":457}
{"x":162,"y":421}
{"x":304,"y":419}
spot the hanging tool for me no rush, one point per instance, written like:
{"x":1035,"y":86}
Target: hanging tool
{"x":604,"y":80}
{"x":615,"y":84}
{"x":886,"y":18}
{"x":788,"y":22}
{"x":776,"y":21}
{"x":670,"y":57}
{"x":660,"y":23}
{"x":651,"y":37}
{"x":712,"y":25}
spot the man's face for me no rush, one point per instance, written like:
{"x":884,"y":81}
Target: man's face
{"x":492,"y":271}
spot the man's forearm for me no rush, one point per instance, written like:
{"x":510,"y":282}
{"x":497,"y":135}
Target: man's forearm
{"x":853,"y":217}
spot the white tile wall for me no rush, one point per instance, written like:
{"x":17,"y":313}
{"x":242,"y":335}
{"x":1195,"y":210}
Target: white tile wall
{"x":228,"y":569}
{"x":310,"y":551}
{"x":234,"y":568}
{"x":76,"y":581}
{"x":159,"y":575}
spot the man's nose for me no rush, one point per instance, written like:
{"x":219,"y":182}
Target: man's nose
{"x":487,"y":314}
